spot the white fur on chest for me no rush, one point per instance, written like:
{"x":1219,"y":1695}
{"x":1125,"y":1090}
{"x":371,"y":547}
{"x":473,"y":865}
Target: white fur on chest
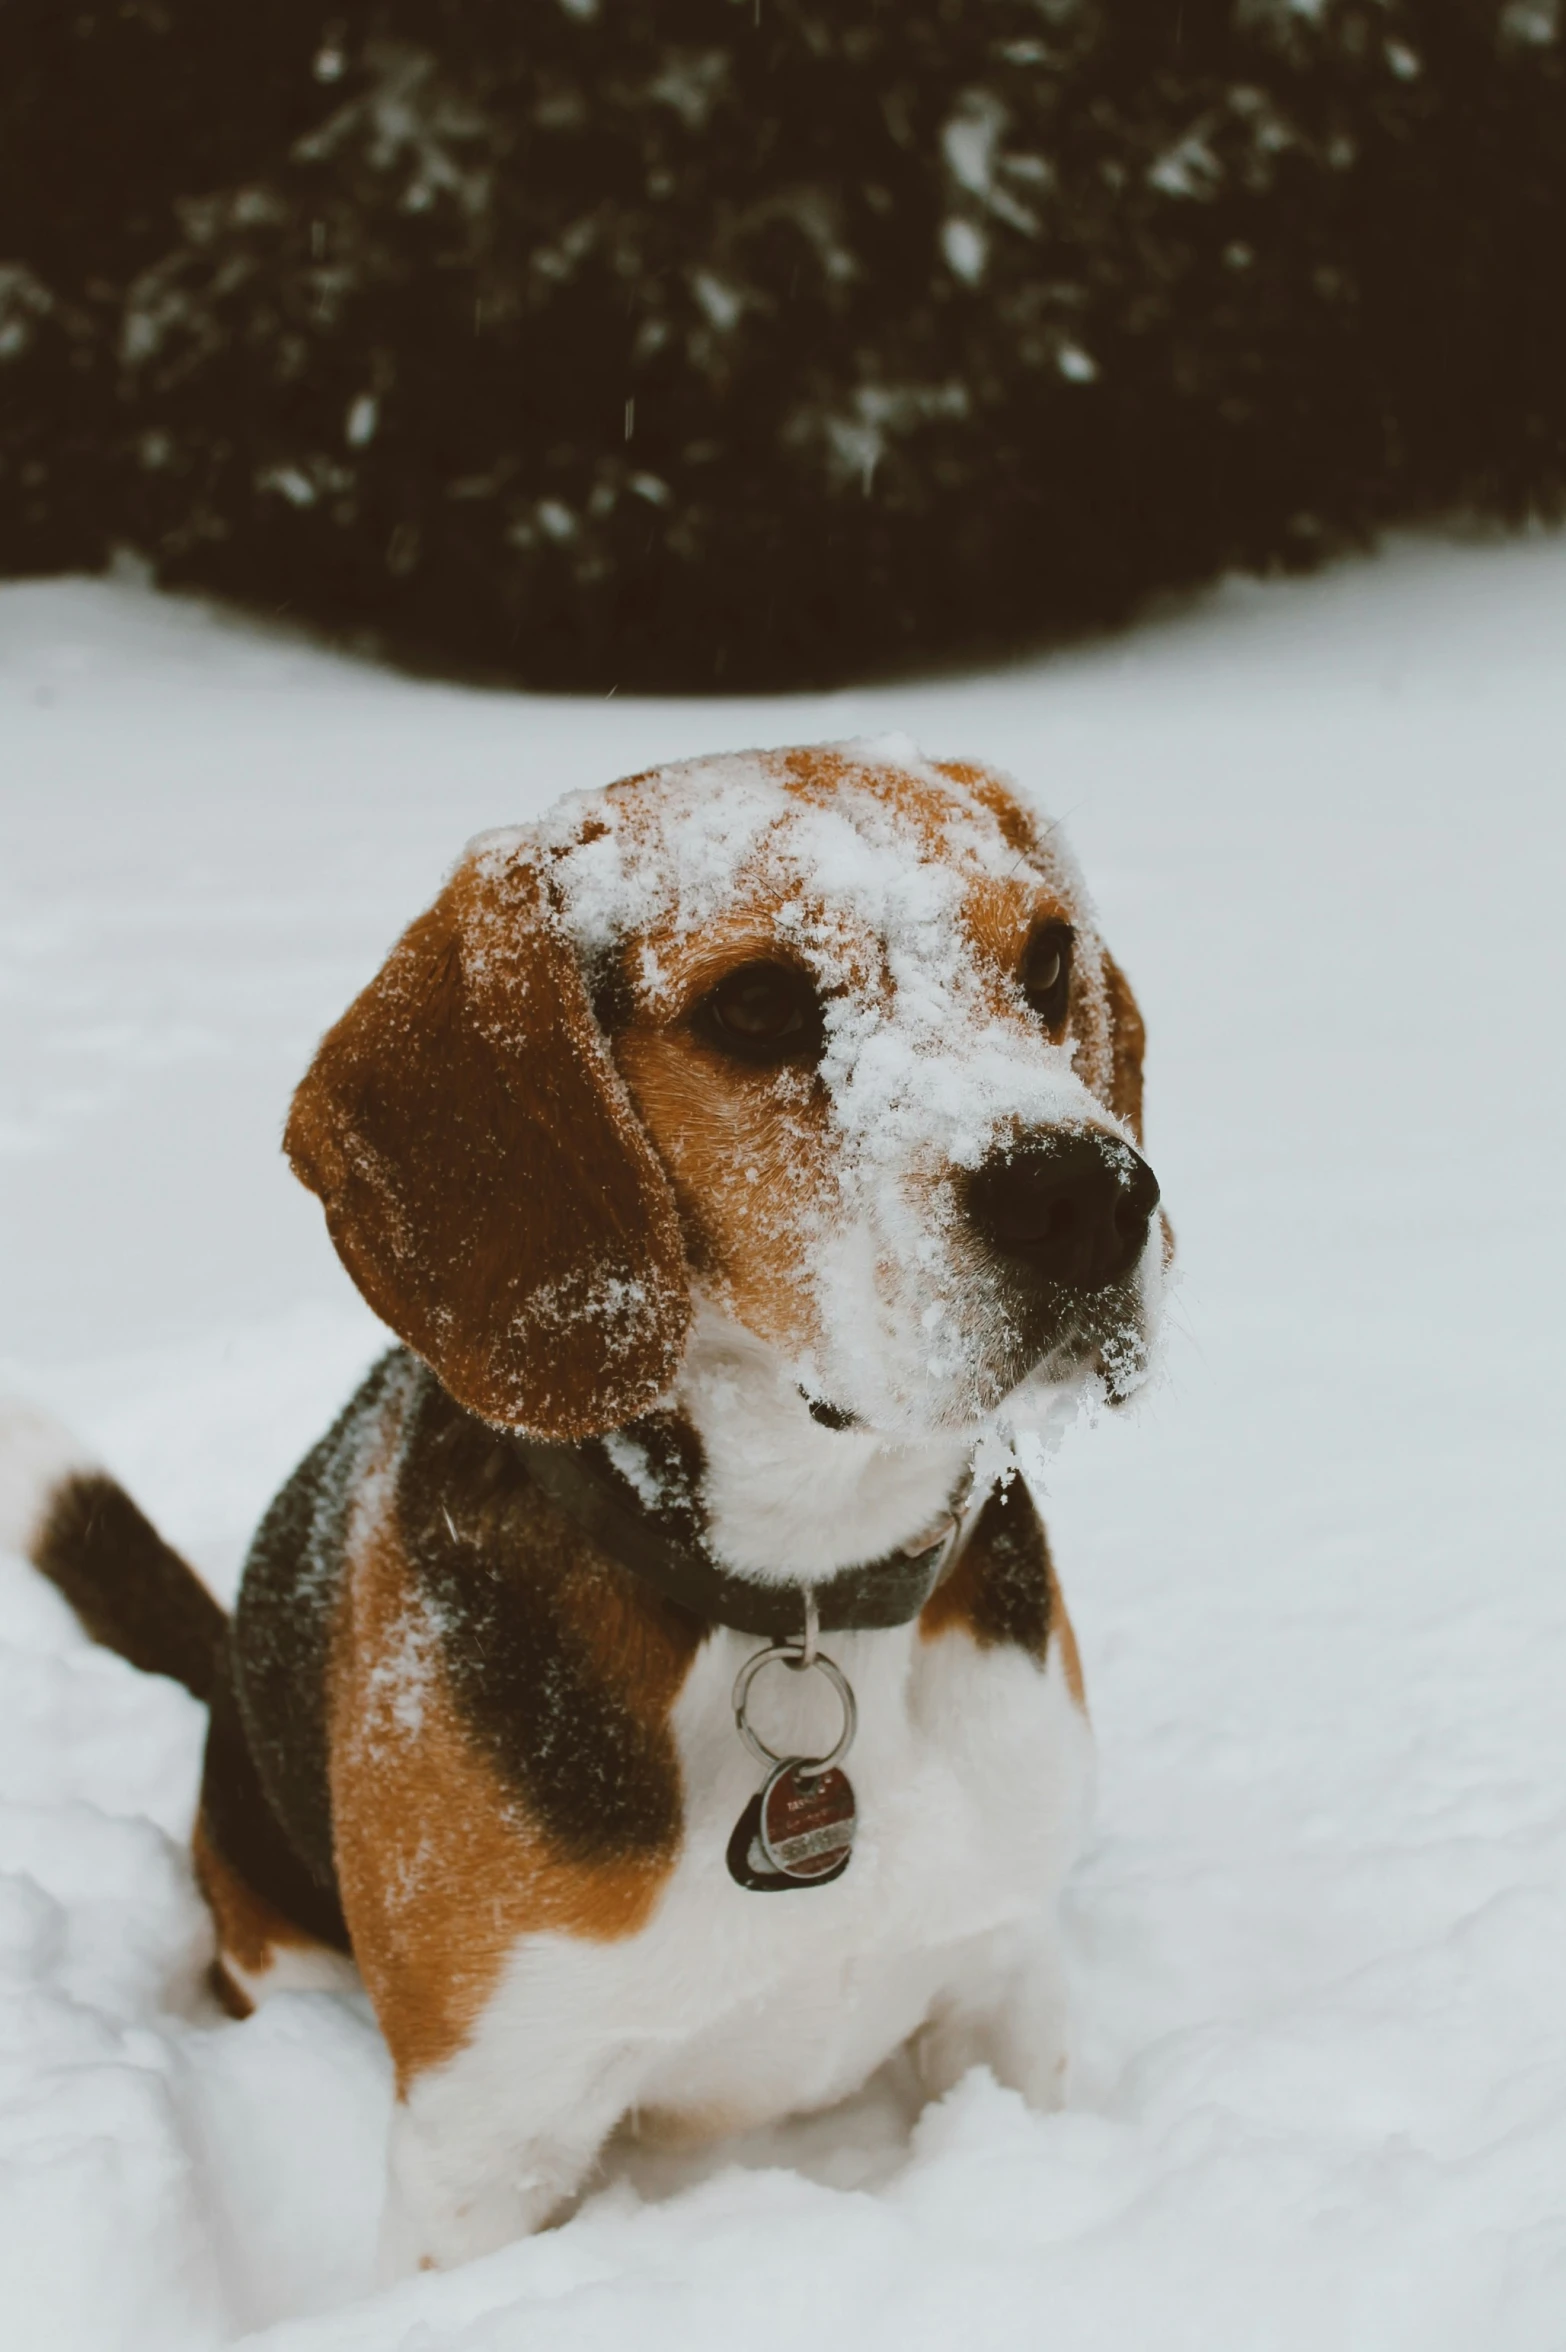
{"x":786,"y":1499}
{"x":733,"y":2008}
{"x":970,"y":1773}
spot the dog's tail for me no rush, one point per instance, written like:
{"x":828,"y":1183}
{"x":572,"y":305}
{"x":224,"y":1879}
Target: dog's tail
{"x":81,"y":1530}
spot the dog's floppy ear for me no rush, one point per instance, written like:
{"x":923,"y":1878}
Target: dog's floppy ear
{"x":485,"y":1179}
{"x":1127,"y":1043}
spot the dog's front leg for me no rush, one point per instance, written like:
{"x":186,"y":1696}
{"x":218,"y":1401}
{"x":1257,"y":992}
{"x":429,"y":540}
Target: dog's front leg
{"x":1007,"y":2011}
{"x":500,"y":1845}
{"x":490,"y":2144}
{"x":1032,"y":2040}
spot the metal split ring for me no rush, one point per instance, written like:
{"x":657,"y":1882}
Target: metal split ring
{"x":797,"y":1659}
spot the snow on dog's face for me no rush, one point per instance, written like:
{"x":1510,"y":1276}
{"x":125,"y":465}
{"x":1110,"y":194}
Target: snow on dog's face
{"x":827,"y":1036}
{"x":863,"y":1012}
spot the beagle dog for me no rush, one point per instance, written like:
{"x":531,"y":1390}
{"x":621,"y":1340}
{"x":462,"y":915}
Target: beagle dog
{"x":746,"y":1159}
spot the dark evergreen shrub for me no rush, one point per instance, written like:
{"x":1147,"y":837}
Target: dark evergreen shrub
{"x":729,"y":342}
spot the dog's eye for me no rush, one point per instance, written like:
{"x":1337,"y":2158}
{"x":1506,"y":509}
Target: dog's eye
{"x":762,"y":1013}
{"x":1046,"y":971}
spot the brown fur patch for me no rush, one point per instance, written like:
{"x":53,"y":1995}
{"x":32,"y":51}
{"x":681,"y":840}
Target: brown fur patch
{"x":228,"y":1995}
{"x":1017,"y":828}
{"x":442,"y":1869}
{"x":1066,"y":1634}
{"x":1127,"y":1046}
{"x":820,"y":771}
{"x":250,"y":1930}
{"x":746,"y":1150}
{"x":1004,"y":1589}
{"x":130,"y":1589}
{"x":484,"y":1179}
{"x":563,"y":1666}
{"x":1000,"y":918}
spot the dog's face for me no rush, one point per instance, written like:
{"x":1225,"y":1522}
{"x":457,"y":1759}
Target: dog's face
{"x":827,"y":1034}
{"x":862,"y":1012}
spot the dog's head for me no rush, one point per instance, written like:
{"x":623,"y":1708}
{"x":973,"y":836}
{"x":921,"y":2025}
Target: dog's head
{"x":828,"y":1035}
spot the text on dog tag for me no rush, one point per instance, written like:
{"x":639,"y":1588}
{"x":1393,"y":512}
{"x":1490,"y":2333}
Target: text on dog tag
{"x":797,"y":1831}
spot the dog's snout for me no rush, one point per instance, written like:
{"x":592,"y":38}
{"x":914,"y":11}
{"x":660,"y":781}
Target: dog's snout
{"x":1073,"y":1209}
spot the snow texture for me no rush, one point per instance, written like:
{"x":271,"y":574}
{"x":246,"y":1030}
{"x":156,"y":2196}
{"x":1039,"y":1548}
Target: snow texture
{"x":1320,"y":2097}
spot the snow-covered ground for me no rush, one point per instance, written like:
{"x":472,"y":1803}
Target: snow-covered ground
{"x":1318,"y":1940}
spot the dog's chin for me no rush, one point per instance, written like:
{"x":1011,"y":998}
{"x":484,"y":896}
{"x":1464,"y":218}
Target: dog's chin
{"x":1005,"y":1355}
{"x":1105,"y":1336}
{"x":1014,"y":1389}
{"x":1047,"y":1355}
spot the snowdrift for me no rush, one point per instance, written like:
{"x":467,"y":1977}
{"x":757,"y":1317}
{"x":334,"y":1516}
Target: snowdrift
{"x":1321,"y":2090}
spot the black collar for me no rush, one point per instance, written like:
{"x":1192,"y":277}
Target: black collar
{"x":636,"y":1495}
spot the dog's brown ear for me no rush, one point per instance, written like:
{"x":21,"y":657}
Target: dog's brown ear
{"x":485,"y":1179}
{"x":1127,"y":1043}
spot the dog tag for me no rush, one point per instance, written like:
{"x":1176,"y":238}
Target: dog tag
{"x":797,"y":1831}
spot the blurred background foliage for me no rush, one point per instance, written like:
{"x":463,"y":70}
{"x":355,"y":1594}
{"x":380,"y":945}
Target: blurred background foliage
{"x":728,"y":343}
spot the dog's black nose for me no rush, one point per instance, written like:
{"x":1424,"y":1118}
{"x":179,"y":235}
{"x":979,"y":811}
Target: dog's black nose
{"x":1073,"y":1209}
